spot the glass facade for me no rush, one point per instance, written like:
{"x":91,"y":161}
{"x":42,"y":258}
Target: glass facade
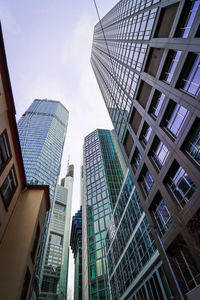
{"x":42,"y":129}
{"x":103,"y":177}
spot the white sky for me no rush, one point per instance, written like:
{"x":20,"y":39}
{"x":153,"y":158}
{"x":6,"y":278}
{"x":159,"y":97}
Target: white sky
{"x":48,"y":47}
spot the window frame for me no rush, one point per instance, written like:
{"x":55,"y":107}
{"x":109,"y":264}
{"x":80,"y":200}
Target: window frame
{"x":7,"y":203}
{"x":5,"y":139}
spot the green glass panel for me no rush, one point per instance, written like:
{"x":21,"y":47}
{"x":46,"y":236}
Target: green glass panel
{"x":90,"y":219}
{"x":92,"y":271}
{"x":91,"y":248}
{"x":96,"y":217}
{"x":90,"y":229}
{"x":99,"y":267}
{"x":92,"y":256}
{"x":103,"y":234}
{"x":99,"y":254}
{"x":101,"y":285}
{"x":91,"y":240}
{"x":95,"y":297}
{"x":94,"y":287}
{"x":96,"y":227}
{"x":102,"y":295}
{"x":97,"y":237}
{"x":102,"y":227}
{"x":98,"y":245}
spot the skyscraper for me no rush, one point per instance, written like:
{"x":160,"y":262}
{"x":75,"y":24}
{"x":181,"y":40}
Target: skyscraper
{"x":42,"y":129}
{"x":145,"y":56}
{"x":76,"y":246}
{"x":103,"y":175}
{"x":55,"y":272}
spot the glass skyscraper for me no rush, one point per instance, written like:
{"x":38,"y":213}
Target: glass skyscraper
{"x":145,"y":56}
{"x":55,"y":272}
{"x":42,"y":129}
{"x":103,"y":175}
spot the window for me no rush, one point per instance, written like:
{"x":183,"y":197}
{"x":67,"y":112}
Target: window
{"x":137,"y":159}
{"x":8,"y":188}
{"x":156,"y":103}
{"x":189,"y":80}
{"x":59,"y":207}
{"x":161,"y":214}
{"x":170,"y":65}
{"x":145,"y":135}
{"x":180,"y":184}
{"x":4,"y":150}
{"x":146,"y":180}
{"x":56,"y":239}
{"x":128,"y":143}
{"x":143,"y":94}
{"x":174,"y":118}
{"x":192,"y":144}
{"x":187,"y":18}
{"x":159,"y":153}
{"x":153,"y":61}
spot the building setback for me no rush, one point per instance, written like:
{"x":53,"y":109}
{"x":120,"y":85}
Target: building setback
{"x":55,"y":272}
{"x":103,"y":175}
{"x":145,"y":56}
{"x":76,"y":246}
{"x":42,"y":129}
{"x":22,"y":207}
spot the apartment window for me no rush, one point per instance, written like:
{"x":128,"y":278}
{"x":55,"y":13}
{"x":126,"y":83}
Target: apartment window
{"x":189,"y":80}
{"x":35,"y":244}
{"x":180,"y":184}
{"x":146,"y":180}
{"x":174,"y":118}
{"x":187,"y":18}
{"x":137,"y":159}
{"x":25,"y":287}
{"x":8,"y":188}
{"x":161,"y":214}
{"x":192,"y":144}
{"x":128,"y":143}
{"x":145,"y":135}
{"x":170,"y":65}
{"x":156,"y":103}
{"x":159,"y":153}
{"x":4,"y":150}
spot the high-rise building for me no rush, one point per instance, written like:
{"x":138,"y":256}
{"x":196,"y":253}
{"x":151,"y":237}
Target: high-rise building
{"x":145,"y":56}
{"x":103,"y":174}
{"x":22,"y":207}
{"x":42,"y":129}
{"x":76,"y":246}
{"x":55,"y":272}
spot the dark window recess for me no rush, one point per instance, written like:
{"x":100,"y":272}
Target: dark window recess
{"x":170,"y":65}
{"x":185,"y":269}
{"x":4,"y":150}
{"x":26,"y":285}
{"x":143,"y":94}
{"x":161,"y":213}
{"x":166,"y":21}
{"x":35,"y":244}
{"x":156,"y":103}
{"x":158,"y":153}
{"x":192,"y":142}
{"x":8,"y":188}
{"x":146,"y":180}
{"x":194,"y":227}
{"x":145,"y":134}
{"x":153,"y":61}
{"x":187,"y":18}
{"x":128,"y":143}
{"x":180,"y":184}
{"x":137,"y":159}
{"x":174,"y":118}
{"x":189,"y":80}
{"x":135,"y":120}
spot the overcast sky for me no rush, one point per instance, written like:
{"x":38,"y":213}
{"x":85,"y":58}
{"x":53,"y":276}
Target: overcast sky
{"x":48,"y":47}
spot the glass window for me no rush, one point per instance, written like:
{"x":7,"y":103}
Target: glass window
{"x":156,"y":103}
{"x":187,"y":18}
{"x":8,"y":187}
{"x":181,"y":186}
{"x":161,"y":214}
{"x":137,"y":159}
{"x":192,"y":145}
{"x":175,"y":118}
{"x":56,"y":239}
{"x":159,"y":153}
{"x":170,"y":65}
{"x":4,"y":150}
{"x":190,"y":78}
{"x":147,"y":181}
{"x":145,"y":135}
{"x":59,"y":207}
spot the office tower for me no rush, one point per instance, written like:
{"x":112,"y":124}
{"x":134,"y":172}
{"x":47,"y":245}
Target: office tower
{"x":76,"y":246}
{"x":55,"y":272}
{"x":22,"y":207}
{"x":145,"y":56}
{"x":42,"y":129}
{"x":103,"y":175}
